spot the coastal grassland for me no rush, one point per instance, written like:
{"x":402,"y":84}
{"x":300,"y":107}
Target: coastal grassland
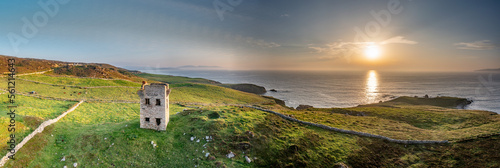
{"x":107,"y":142}
{"x":21,"y":132}
{"x":268,"y":140}
{"x":204,"y":93}
{"x":477,"y":152}
{"x":72,"y":93}
{"x":405,"y":121}
{"x":101,"y":113}
{"x":182,"y":92}
{"x":83,"y":82}
{"x":175,"y":79}
{"x":249,"y":88}
{"x":39,"y":108}
{"x":30,"y":113}
{"x":108,"y":134}
{"x":95,"y":71}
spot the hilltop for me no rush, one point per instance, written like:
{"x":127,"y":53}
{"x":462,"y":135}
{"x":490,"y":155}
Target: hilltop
{"x":490,"y":70}
{"x":106,"y":71}
{"x":75,"y":69}
{"x":29,"y":65}
{"x":210,"y":123}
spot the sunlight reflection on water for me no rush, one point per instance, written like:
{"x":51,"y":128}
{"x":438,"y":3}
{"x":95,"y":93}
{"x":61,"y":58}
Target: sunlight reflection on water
{"x":352,"y":88}
{"x":371,"y":86}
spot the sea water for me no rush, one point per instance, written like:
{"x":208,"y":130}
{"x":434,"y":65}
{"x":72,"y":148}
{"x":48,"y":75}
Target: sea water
{"x":351,"y":88}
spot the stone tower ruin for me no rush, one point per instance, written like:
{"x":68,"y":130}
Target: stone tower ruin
{"x":154,"y":105}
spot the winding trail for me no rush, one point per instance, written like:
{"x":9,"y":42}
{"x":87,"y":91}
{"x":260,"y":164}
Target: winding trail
{"x":32,"y":73}
{"x":38,"y":130}
{"x":74,"y":86}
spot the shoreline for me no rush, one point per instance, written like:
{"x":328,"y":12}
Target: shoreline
{"x":261,"y":91}
{"x":462,"y":103}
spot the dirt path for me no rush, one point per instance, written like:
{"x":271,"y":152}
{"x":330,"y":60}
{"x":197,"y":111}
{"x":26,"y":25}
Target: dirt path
{"x":32,"y":73}
{"x":74,"y":86}
{"x":38,"y":130}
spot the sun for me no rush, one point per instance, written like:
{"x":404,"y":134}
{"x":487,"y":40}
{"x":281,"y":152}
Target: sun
{"x":372,"y":51}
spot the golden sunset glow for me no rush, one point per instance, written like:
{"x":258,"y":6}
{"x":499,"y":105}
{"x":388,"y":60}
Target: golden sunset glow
{"x":372,"y":51}
{"x":371,"y":86}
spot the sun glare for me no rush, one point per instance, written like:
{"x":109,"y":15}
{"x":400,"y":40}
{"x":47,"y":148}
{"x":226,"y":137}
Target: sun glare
{"x":372,"y":51}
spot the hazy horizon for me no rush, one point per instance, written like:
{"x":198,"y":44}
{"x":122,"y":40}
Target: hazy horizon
{"x":388,"y":35}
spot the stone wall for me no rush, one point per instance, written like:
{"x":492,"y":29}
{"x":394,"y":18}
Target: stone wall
{"x":352,"y":132}
{"x":38,"y":130}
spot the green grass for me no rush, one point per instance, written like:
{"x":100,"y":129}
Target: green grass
{"x":29,"y":106}
{"x":113,"y":93}
{"x":83,"y":82}
{"x":104,"y":142}
{"x":204,"y":93}
{"x":102,"y":113}
{"x":30,"y":113}
{"x":108,"y":134}
{"x":175,"y":79}
{"x":403,"y":121}
{"x":184,"y":93}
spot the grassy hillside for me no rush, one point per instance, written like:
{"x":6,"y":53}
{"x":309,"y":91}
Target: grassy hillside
{"x":203,"y":93}
{"x":28,"y":65}
{"x":403,"y":121}
{"x":205,"y":118}
{"x":95,"y":71}
{"x":72,"y":69}
{"x":102,"y":140}
{"x":175,"y":79}
{"x":31,"y":112}
{"x":249,"y":88}
{"x":82,"y":82}
{"x":122,"y":90}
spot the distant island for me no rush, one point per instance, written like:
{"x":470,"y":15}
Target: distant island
{"x":490,"y":70}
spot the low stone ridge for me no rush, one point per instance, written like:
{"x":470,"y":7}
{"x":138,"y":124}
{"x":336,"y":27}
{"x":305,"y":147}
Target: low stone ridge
{"x":278,"y":101}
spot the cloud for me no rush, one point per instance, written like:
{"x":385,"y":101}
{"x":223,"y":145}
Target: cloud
{"x":261,"y":43}
{"x":248,"y":40}
{"x":338,"y":49}
{"x":285,"y":15}
{"x":265,"y":44}
{"x":398,"y":40}
{"x":477,"y":45}
{"x":346,"y":49}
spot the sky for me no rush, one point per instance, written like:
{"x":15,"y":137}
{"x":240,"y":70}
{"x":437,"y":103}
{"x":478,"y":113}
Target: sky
{"x":410,"y":35}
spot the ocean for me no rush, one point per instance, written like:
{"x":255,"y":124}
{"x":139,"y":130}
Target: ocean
{"x":351,"y":88}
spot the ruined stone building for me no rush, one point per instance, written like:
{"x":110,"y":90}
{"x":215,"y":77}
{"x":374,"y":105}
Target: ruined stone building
{"x":154,"y":105}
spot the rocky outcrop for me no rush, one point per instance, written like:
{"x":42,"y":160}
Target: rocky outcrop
{"x":278,"y":101}
{"x":303,"y":107}
{"x":245,"y":87}
{"x":462,"y":103}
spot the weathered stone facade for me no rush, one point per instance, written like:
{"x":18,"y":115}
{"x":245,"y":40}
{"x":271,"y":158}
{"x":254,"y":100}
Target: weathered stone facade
{"x":154,"y":106}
